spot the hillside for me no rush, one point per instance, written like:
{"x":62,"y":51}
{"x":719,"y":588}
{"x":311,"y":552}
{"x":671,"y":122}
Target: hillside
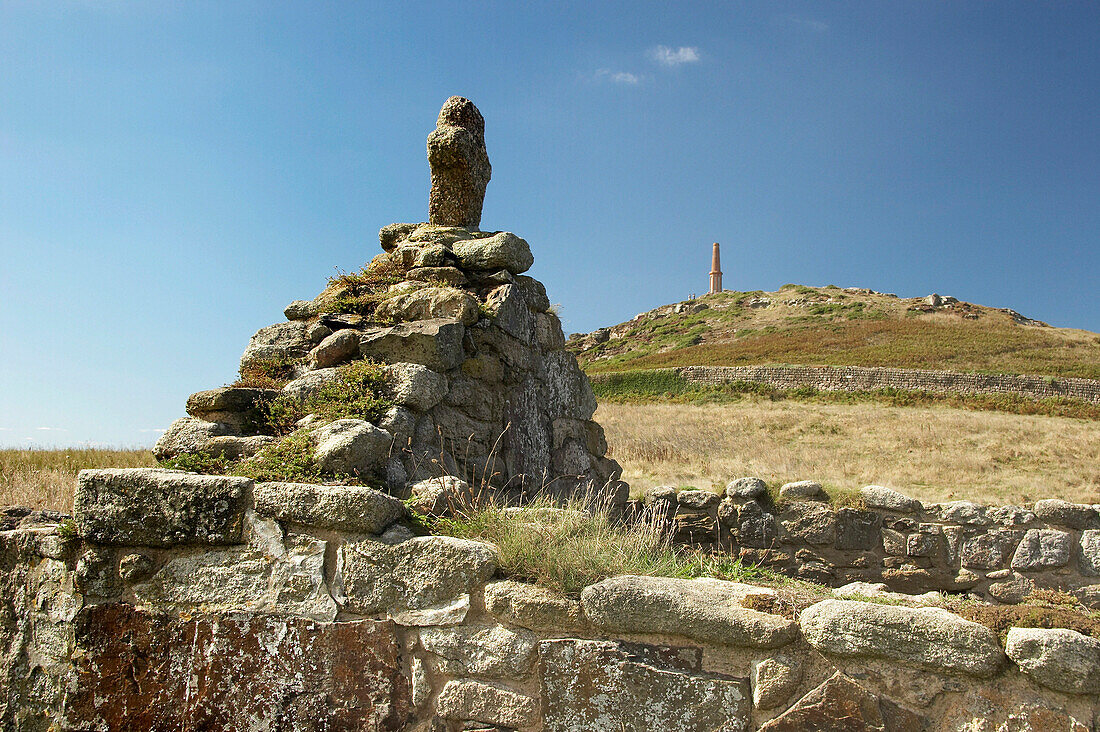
{"x":832,"y":326}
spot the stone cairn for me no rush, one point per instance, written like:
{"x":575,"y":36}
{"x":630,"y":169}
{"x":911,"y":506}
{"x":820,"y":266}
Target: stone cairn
{"x":476,"y":369}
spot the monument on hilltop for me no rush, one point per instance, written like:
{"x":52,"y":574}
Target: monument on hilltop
{"x":715,"y":271}
{"x":460,"y":165}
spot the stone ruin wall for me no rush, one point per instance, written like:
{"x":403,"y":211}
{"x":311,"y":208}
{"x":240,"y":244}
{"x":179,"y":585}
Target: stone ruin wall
{"x":999,"y":553}
{"x":188,"y":602}
{"x":863,"y":378}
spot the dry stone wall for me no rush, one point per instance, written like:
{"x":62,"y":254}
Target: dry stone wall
{"x":861,"y":378}
{"x":252,"y":610}
{"x":999,"y":553}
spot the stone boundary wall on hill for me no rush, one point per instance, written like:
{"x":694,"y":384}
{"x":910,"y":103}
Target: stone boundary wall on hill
{"x":860,"y":378}
{"x":188,"y":602}
{"x":1000,"y":553}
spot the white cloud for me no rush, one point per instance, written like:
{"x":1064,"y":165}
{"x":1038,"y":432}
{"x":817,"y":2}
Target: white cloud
{"x":5,"y":429}
{"x":668,"y":56}
{"x":52,"y":429}
{"x":618,"y":77}
{"x":150,"y":429}
{"x":809,"y":24}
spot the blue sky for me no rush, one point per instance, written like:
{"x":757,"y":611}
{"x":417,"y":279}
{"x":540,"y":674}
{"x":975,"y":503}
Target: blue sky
{"x":172,"y":174}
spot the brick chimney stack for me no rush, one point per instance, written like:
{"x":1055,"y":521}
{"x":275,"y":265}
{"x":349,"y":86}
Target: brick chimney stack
{"x":715,"y":272}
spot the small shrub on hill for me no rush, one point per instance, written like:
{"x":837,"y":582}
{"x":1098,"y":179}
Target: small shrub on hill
{"x":358,"y":393}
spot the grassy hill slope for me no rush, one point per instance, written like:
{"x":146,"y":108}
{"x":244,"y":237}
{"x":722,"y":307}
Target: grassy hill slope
{"x":838,"y":327}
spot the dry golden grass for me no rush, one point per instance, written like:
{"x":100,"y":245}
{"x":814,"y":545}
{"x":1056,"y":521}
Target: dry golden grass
{"x":930,"y":453}
{"x":47,"y":478}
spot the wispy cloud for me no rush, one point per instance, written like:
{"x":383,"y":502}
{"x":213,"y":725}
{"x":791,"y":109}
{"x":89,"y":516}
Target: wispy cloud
{"x":669,"y":56}
{"x":151,"y":429}
{"x":51,"y":429}
{"x":618,"y":77}
{"x":807,"y":24}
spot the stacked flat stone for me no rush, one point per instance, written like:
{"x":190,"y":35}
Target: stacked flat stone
{"x":477,"y":369}
{"x":1001,"y":553}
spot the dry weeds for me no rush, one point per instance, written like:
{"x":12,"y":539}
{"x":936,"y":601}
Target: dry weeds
{"x":47,"y":478}
{"x":930,"y":453}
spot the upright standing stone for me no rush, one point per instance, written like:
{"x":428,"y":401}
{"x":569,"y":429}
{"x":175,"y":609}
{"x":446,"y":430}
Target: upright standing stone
{"x":460,"y":165}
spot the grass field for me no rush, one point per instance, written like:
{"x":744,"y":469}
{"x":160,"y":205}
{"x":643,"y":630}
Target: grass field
{"x":47,"y":478}
{"x":828,"y":326}
{"x":934,"y":453}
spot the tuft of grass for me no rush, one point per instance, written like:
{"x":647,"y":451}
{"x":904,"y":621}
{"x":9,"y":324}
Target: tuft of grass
{"x":361,"y":292}
{"x":290,"y":460}
{"x":198,"y":462}
{"x":358,"y":392}
{"x":567,"y":550}
{"x":269,"y":373}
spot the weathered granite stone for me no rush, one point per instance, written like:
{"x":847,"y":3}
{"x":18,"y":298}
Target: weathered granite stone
{"x":414,"y":385}
{"x":426,"y":580}
{"x":447,"y":275}
{"x":466,"y":699}
{"x":435,"y":343}
{"x":1060,"y":659}
{"x":929,"y":638}
{"x":990,"y":550}
{"x":508,"y":308}
{"x":811,"y":522}
{"x":746,"y":489}
{"x":966,"y":513}
{"x":1090,"y":552}
{"x":703,"y":609}
{"x":154,"y":507}
{"x":1042,"y":549}
{"x":308,"y":385}
{"x":755,"y":526}
{"x":548,"y":332}
{"x":271,"y":578}
{"x":231,"y":405}
{"x":695,"y":527}
{"x":481,"y":650}
{"x":190,"y":435}
{"x":351,"y":447}
{"x":97,"y":573}
{"x":856,"y":529}
{"x":697,"y":500}
{"x":136,"y":567}
{"x":161,"y":673}
{"x":534,"y":607}
{"x":611,"y":686}
{"x":1010,"y":517}
{"x":877,"y":496}
{"x":502,"y":250}
{"x":803,"y":490}
{"x":1071,"y":515}
{"x":1013,"y":590}
{"x":441,"y":496}
{"x":774,"y":679}
{"x":927,"y":541}
{"x":341,"y":346}
{"x":460,"y":165}
{"x":430,"y":302}
{"x":280,"y":341}
{"x":335,"y":507}
{"x":389,"y":236}
{"x":568,"y":391}
{"x":230,"y":447}
{"x":841,"y":703}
